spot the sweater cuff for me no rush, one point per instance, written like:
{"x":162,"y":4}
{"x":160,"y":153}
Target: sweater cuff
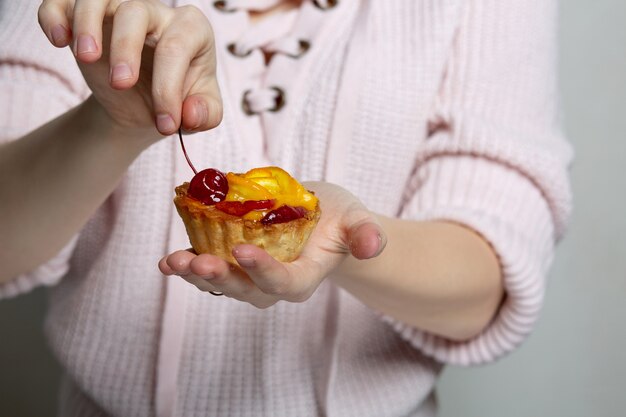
{"x":509,"y":211}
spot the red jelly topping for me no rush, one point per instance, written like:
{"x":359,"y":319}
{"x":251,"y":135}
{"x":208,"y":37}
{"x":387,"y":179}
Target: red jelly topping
{"x":208,"y":186}
{"x":283,"y":214}
{"x":238,"y":208}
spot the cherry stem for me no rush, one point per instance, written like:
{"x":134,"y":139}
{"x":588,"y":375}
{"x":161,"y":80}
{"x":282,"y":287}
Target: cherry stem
{"x":182,"y":144}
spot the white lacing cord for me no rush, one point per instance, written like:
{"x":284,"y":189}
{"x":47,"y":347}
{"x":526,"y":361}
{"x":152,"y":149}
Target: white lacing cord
{"x":289,"y":46}
{"x":263,"y":99}
{"x":263,"y":36}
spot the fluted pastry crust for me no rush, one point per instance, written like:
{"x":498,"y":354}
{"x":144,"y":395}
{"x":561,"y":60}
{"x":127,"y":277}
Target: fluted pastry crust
{"x":213,"y":231}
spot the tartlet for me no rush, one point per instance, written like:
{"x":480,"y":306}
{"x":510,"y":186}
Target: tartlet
{"x":265,"y":207}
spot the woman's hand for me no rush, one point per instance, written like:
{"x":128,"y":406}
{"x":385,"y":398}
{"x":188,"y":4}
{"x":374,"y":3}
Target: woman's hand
{"x":346,"y":228}
{"x":147,"y":64}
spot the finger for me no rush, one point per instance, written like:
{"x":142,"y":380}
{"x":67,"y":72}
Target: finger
{"x":87,"y":29}
{"x":132,"y":21}
{"x":251,"y":294}
{"x":269,"y":275}
{"x":203,"y":111}
{"x":173,"y":56}
{"x":223,"y":277}
{"x":54,"y":22}
{"x":209,"y":266}
{"x":178,"y":263}
{"x":366,"y":240}
{"x":164,"y":267}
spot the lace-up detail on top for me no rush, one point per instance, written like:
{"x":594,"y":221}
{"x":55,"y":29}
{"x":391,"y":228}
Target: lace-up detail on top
{"x":271,"y":36}
{"x":260,"y":5}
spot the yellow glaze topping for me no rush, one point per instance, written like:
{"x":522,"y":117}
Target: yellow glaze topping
{"x":268,"y":183}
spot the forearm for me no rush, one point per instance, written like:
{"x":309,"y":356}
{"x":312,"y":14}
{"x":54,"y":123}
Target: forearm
{"x":437,"y":276}
{"x":53,"y":180}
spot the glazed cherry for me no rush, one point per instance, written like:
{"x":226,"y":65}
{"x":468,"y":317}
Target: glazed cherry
{"x":238,"y":208}
{"x":208,"y":186}
{"x":283,"y":214}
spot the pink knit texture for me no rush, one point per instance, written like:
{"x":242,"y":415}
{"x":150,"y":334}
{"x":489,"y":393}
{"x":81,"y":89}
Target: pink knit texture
{"x":426,"y":110}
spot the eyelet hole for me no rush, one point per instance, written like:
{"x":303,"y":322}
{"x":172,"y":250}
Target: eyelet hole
{"x":245,"y":105}
{"x":326,"y":5}
{"x":304,"y":47}
{"x":232,"y":48}
{"x":279,"y":101}
{"x":222,"y":6}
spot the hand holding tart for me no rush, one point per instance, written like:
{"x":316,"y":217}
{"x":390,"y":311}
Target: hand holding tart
{"x":267,"y":208}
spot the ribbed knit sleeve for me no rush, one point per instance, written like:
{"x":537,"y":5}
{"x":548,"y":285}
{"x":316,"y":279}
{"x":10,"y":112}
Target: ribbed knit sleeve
{"x":37,"y":83}
{"x":496,"y":162}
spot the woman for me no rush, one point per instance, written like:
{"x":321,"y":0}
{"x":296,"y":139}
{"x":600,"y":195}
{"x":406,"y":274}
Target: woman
{"x":428,"y":131}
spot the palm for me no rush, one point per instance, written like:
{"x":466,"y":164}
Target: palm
{"x":329,"y":241}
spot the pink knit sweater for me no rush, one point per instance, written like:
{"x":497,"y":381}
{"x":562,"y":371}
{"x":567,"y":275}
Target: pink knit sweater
{"x":429,"y":109}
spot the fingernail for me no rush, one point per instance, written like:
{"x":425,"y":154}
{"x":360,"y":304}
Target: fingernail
{"x":247,"y":262}
{"x":208,"y":277}
{"x":381,"y":245}
{"x":121,"y":72}
{"x":59,"y":35}
{"x":203,"y":114}
{"x":86,"y":44}
{"x":165,"y":123}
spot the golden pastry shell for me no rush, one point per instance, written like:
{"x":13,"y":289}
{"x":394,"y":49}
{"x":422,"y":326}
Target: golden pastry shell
{"x":213,"y":231}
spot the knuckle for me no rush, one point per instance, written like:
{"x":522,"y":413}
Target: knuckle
{"x":190,"y":12}
{"x":164,"y":96}
{"x":190,"y":15}
{"x":278,"y":289}
{"x":357,"y":212}
{"x":300,"y":297}
{"x":248,"y":290}
{"x":45,"y":12}
{"x":132,"y":7}
{"x":85,"y":11}
{"x":170,"y":47}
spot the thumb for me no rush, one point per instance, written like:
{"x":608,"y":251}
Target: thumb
{"x":366,"y":239}
{"x":202,"y":111}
